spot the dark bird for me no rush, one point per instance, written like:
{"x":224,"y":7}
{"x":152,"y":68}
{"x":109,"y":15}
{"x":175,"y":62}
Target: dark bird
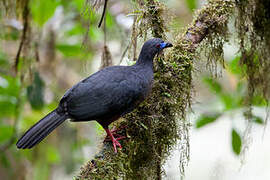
{"x":104,"y":96}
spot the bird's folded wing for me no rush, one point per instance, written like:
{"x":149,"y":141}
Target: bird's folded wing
{"x":104,"y":99}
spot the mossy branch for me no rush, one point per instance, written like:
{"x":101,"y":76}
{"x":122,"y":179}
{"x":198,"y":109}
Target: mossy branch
{"x":155,"y":127}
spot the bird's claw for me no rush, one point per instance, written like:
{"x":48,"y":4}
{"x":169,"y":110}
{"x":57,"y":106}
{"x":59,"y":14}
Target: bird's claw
{"x":114,"y":140}
{"x":114,"y":133}
{"x":116,"y":143}
{"x":119,"y":137}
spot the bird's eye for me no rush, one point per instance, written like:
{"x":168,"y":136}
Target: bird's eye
{"x":158,"y":45}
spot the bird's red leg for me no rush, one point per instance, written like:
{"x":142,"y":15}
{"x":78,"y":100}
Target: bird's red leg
{"x":114,"y":140}
{"x":114,"y":133}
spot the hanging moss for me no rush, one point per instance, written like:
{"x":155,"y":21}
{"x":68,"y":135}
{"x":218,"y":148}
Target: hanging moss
{"x":252,"y":25}
{"x":151,"y":18}
{"x":212,"y":47}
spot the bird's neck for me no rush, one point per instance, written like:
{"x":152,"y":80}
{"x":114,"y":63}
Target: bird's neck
{"x":145,"y":59}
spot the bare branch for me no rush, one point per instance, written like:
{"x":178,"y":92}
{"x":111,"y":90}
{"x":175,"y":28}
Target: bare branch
{"x":103,"y":13}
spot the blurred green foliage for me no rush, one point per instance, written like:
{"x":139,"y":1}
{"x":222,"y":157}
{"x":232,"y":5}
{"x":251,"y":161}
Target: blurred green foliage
{"x":205,"y":119}
{"x":22,"y":96}
{"x":6,"y":132}
{"x":71,"y":36}
{"x":191,"y":4}
{"x":42,"y":10}
{"x":231,"y":101}
{"x":9,"y":93}
{"x":69,"y":50}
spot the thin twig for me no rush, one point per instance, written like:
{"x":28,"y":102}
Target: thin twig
{"x":105,"y":31}
{"x":25,"y":28}
{"x":124,"y":53}
{"x":134,"y":38}
{"x":103,"y":13}
{"x":37,"y":52}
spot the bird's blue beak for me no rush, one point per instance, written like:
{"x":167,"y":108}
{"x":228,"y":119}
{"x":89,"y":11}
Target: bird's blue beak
{"x":165,"y":45}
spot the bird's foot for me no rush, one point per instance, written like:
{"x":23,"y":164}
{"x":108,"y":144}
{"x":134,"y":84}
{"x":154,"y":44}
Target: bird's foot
{"x":117,"y":137}
{"x":114,"y":140}
{"x":114,"y":132}
{"x":116,"y":143}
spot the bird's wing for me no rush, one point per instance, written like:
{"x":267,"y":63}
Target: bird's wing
{"x":102,"y":95}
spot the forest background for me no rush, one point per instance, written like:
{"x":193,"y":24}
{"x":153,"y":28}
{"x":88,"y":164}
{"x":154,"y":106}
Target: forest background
{"x":46,"y":46}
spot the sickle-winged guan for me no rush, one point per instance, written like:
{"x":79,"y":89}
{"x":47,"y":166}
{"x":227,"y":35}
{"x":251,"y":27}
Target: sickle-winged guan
{"x":104,"y":96}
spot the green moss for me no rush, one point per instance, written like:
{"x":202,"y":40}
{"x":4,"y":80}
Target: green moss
{"x":152,"y":17}
{"x":212,"y":46}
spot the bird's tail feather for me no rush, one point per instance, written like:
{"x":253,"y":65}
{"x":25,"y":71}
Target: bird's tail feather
{"x":40,"y":130}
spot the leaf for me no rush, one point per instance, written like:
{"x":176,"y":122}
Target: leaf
{"x":167,"y":94}
{"x":234,"y":66}
{"x":95,"y":35}
{"x":99,"y":129}
{"x":69,"y":50}
{"x":207,"y":119}
{"x":257,"y":120}
{"x":5,"y":132}
{"x":7,"y":105}
{"x":43,"y":10}
{"x":12,"y":86}
{"x":230,"y":102}
{"x":213,"y":84}
{"x":35,"y":92}
{"x":236,"y":142}
{"x":191,"y":4}
{"x":3,"y":60}
{"x":109,"y":20}
{"x":4,"y":160}
{"x":241,"y":87}
{"x":78,"y":4}
{"x":258,"y":100}
{"x":76,"y":29}
{"x":53,"y":155}
{"x":9,"y":92}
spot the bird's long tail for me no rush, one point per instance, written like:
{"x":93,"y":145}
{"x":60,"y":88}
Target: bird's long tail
{"x":40,"y":130}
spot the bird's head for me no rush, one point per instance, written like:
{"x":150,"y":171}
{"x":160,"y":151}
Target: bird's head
{"x":154,"y":46}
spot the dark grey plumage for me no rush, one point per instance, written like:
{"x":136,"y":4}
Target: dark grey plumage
{"x":104,"y":96}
